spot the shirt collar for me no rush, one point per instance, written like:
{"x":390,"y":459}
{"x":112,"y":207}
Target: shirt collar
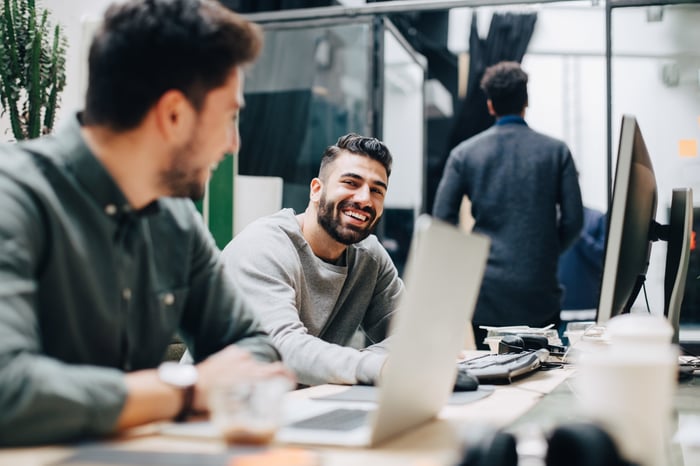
{"x":508,"y":119}
{"x":91,"y":174}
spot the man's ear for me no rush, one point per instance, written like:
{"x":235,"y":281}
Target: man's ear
{"x":175,"y":117}
{"x":489,"y":105}
{"x":315,"y":189}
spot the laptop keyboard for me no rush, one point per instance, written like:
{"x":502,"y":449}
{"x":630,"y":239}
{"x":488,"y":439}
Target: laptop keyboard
{"x":501,"y":368}
{"x":337,"y":419}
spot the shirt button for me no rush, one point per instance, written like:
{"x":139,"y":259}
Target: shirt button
{"x":110,"y":209}
{"x":126,"y":294}
{"x":168,"y":299}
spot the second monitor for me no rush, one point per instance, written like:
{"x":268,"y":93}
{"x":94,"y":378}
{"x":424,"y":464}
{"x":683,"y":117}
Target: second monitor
{"x":632,"y":227}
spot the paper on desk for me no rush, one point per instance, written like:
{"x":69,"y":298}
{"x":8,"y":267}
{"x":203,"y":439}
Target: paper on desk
{"x":518,"y":328}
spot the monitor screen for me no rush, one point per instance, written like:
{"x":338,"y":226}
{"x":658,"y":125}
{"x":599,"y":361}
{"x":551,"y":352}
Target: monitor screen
{"x":630,"y":218}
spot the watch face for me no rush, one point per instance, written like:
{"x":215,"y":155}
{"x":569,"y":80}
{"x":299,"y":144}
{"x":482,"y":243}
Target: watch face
{"x":179,"y":375}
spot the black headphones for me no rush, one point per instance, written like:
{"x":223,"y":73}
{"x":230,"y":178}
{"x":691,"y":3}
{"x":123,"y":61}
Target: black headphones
{"x":578,"y":444}
{"x":523,"y":342}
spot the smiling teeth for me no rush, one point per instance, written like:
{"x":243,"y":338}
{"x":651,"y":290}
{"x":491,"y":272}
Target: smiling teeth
{"x":357,"y":216}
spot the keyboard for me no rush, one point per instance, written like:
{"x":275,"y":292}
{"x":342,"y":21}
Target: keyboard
{"x":501,"y":368}
{"x":337,"y":419}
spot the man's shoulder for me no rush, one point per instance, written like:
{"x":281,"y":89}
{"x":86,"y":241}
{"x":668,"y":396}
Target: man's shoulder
{"x":542,"y":138}
{"x":280,"y":223}
{"x":21,"y":167}
{"x":476,"y":141}
{"x":14,"y":157}
{"x":267,"y":233}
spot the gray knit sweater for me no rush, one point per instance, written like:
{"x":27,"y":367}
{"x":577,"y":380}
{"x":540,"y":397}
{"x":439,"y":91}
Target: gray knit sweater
{"x":525,"y":196}
{"x":312,"y":308}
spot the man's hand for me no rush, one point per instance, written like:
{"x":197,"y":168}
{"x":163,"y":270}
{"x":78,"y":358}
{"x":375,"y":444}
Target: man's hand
{"x":231,"y":365}
{"x":150,"y":399}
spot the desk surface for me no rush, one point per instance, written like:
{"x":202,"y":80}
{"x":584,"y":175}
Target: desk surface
{"x":433,"y":444}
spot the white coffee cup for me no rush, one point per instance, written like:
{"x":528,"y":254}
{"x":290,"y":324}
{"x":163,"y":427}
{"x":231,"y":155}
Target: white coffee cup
{"x":628,"y":386}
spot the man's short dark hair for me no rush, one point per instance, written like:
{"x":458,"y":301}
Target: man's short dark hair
{"x":145,"y":48}
{"x":360,"y":145}
{"x":505,"y":83}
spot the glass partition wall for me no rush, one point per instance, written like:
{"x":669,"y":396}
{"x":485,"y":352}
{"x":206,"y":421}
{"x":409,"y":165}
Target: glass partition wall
{"x":310,"y":85}
{"x":403,"y":130}
{"x":654,"y":74}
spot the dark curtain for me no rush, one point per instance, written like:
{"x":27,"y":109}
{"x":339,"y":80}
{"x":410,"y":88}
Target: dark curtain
{"x":273,"y":128}
{"x":508,"y":38}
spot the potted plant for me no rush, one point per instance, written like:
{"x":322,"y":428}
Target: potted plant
{"x":32,"y":67}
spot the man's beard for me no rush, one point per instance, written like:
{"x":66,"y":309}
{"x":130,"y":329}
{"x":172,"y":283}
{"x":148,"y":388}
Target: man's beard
{"x":180,"y":180}
{"x":329,"y":219}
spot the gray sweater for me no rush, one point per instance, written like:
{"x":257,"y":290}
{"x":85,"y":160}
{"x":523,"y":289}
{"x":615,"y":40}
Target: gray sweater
{"x":525,"y":196}
{"x":312,"y":308}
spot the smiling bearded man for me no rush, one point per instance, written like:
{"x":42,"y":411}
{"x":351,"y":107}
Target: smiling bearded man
{"x":319,"y":276}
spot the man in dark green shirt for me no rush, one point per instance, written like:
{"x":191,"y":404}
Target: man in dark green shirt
{"x":102,"y":256}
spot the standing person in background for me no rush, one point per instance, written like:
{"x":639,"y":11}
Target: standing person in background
{"x":524,"y":195}
{"x":581,"y":266}
{"x":103,"y":257}
{"x":319,"y":276}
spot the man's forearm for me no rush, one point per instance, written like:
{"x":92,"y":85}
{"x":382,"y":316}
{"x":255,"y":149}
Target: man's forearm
{"x":148,"y":400}
{"x":46,"y":401}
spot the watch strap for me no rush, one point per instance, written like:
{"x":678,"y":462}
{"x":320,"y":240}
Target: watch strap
{"x":187,"y":402}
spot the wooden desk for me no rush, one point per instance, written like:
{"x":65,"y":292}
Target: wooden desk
{"x":433,"y":444}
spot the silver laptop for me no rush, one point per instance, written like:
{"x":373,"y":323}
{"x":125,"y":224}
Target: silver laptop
{"x":443,"y":277}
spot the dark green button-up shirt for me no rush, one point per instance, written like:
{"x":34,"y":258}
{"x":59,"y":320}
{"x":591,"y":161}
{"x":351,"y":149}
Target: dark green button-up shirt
{"x":90,"y":288}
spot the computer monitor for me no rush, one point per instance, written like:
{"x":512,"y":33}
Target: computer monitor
{"x":679,"y":236}
{"x":632,"y":228}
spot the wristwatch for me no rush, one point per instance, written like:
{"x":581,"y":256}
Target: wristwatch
{"x":184,"y":377}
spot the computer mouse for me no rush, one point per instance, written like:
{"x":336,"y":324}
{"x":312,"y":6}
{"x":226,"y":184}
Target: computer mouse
{"x":465,"y":380}
{"x":511,"y":344}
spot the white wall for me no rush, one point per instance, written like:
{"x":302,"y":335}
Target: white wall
{"x":70,"y":15}
{"x":566,"y":64}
